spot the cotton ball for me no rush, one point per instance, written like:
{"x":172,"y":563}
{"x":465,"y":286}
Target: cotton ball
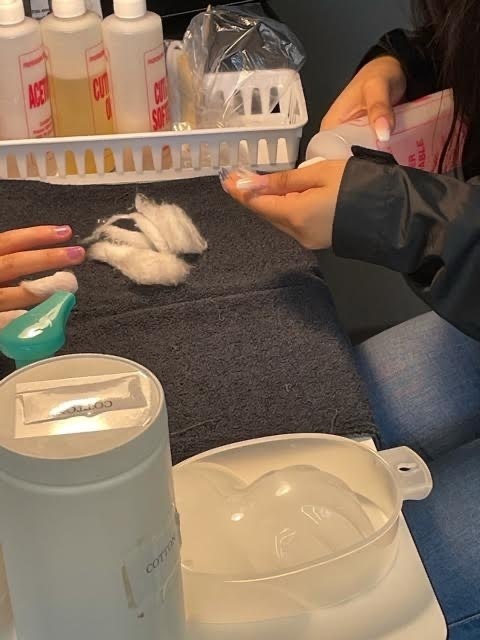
{"x":109,"y":231}
{"x":141,"y":265}
{"x":45,"y":287}
{"x":151,"y":232}
{"x":124,"y":236}
{"x":97,"y":232}
{"x":178,"y":233}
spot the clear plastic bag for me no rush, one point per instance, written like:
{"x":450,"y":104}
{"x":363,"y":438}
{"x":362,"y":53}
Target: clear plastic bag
{"x":224,"y":49}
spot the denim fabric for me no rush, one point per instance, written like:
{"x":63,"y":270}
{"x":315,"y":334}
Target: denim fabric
{"x":423,"y":380}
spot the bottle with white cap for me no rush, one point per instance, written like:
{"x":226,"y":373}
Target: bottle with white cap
{"x":134,"y":43}
{"x":77,"y":70}
{"x":25,"y":110}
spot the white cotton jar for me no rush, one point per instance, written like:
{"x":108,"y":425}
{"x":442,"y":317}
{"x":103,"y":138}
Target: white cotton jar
{"x":89,"y":529}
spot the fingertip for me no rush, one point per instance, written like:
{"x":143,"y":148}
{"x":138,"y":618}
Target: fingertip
{"x":76,"y":255}
{"x":383,"y":129}
{"x":63,"y":232}
{"x":243,"y":182}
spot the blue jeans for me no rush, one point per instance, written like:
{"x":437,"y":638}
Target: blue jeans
{"x":423,"y":380}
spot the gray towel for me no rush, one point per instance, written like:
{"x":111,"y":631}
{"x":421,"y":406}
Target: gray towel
{"x":249,"y":346}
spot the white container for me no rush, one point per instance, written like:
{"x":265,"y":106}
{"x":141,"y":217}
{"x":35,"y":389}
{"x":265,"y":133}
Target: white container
{"x":89,"y":529}
{"x":271,"y":145}
{"x":25,"y":110}
{"x":421,"y":131}
{"x":77,"y":70}
{"x":383,"y":481}
{"x":136,"y":56}
{"x":6,"y":620}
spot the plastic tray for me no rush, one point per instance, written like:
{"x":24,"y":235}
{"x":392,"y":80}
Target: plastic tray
{"x":263,"y":140}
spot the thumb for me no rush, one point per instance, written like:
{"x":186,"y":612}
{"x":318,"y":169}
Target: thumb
{"x":348,"y":106}
{"x":379,"y":108}
{"x":285,"y":182}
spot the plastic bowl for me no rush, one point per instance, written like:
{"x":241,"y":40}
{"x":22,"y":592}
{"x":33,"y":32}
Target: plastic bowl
{"x":226,"y":586}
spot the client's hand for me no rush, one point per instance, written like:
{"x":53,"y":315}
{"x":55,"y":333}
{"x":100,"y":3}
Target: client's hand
{"x":21,"y":254}
{"x":300,"y":203}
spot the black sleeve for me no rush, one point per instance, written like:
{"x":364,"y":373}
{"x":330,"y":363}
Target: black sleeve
{"x":423,"y":225}
{"x":418,"y":57}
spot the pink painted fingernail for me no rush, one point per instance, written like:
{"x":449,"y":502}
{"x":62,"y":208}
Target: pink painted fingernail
{"x":76,"y":254}
{"x":63,"y":231}
{"x":382,"y":129}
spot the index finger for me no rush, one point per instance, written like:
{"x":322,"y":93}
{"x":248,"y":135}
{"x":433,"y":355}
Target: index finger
{"x":18,"y":240}
{"x":379,"y":108}
{"x":280,"y":183}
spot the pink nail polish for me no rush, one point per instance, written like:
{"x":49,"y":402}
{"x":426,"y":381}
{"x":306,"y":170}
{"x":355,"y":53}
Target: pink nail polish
{"x":63,"y":231}
{"x":75,"y":254}
{"x":382,"y":129}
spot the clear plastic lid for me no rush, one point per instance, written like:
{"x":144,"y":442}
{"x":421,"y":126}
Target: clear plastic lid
{"x":285,"y":520}
{"x":81,"y":405}
{"x":61,"y":415}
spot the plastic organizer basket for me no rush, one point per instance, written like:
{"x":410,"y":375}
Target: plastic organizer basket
{"x":263,"y":140}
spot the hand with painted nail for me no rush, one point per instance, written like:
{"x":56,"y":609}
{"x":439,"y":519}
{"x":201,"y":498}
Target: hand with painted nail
{"x":301,"y":203}
{"x":374,"y":91}
{"x":30,"y":251}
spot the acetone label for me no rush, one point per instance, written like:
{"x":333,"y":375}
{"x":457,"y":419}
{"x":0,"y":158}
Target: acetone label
{"x":36,"y":94}
{"x":100,"y":88}
{"x":157,"y":88}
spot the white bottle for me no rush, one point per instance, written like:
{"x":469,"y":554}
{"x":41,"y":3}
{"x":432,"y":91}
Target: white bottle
{"x":25,"y":110}
{"x":421,"y":131}
{"x":77,"y":70}
{"x":133,"y":39}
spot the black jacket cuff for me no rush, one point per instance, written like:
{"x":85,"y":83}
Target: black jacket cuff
{"x":365,"y":202}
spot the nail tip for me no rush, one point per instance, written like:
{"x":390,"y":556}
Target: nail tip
{"x":382,"y":129}
{"x":76,"y":254}
{"x":63,"y":231}
{"x":245,"y":184}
